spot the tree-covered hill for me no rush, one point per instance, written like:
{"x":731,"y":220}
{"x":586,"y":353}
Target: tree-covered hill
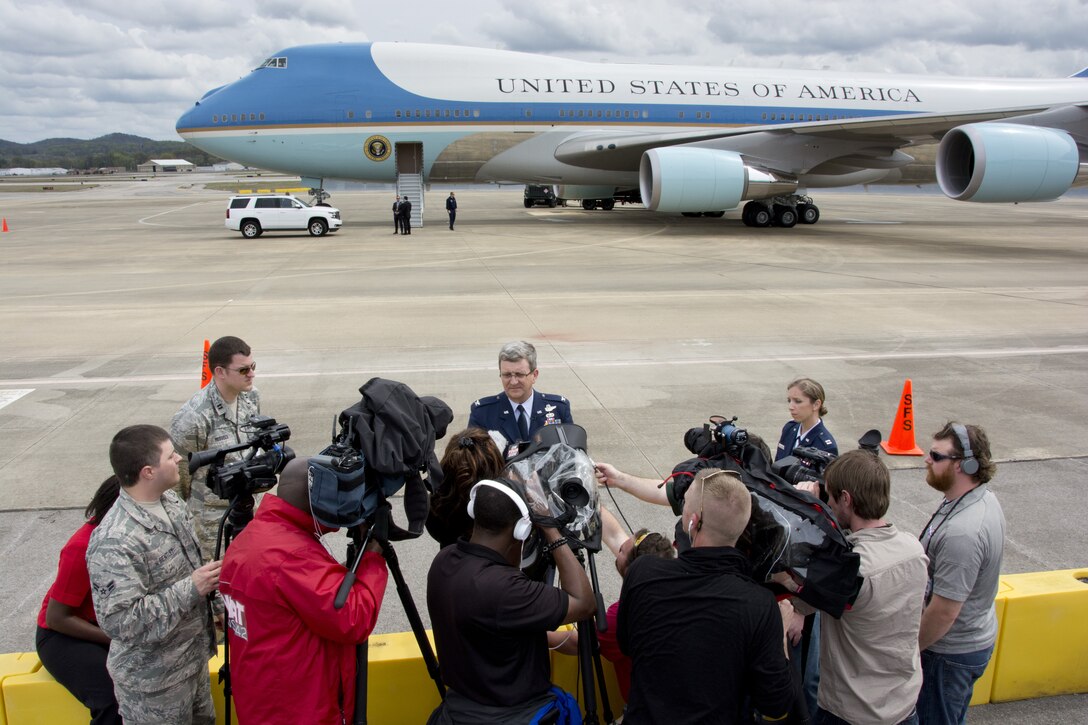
{"x":116,"y":149}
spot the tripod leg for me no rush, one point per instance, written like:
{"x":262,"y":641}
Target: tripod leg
{"x":413,"y":617}
{"x":585,"y":667}
{"x":362,"y":661}
{"x":599,"y":668}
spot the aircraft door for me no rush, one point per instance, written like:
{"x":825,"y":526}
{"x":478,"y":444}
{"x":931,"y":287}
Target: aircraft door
{"x":410,"y":178}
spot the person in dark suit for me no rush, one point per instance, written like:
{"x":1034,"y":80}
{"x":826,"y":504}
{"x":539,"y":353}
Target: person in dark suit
{"x":405,"y":212}
{"x":519,"y":411}
{"x":396,"y":215}
{"x":806,"y":401}
{"x":451,"y":208}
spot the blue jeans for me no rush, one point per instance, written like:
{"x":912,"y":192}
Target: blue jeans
{"x":823,"y":717}
{"x":948,"y":682}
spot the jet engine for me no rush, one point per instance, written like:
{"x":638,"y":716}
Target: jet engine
{"x":689,"y":179}
{"x":1006,"y":162}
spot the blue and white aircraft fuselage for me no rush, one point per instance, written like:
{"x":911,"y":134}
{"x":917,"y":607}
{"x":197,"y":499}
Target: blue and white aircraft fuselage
{"x":682,"y":138}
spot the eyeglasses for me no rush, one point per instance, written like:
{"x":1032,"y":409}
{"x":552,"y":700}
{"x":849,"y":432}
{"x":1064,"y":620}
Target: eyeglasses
{"x":514,"y":376}
{"x":245,"y":369}
{"x":938,"y":457}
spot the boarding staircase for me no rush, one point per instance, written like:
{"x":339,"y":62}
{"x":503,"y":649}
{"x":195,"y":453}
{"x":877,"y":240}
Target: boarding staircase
{"x":411,"y":185}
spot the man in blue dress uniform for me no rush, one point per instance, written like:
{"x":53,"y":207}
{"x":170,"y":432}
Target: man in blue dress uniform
{"x":519,"y":411}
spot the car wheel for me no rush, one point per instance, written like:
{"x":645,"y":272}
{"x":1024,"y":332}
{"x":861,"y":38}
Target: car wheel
{"x":318,"y":227}
{"x":528,"y":204}
{"x":251,"y":229}
{"x":608,"y":204}
{"x":552,"y":203}
{"x":589,"y":204}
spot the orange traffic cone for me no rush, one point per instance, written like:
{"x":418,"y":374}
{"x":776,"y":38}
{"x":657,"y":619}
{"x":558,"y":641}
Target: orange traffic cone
{"x":205,"y":371}
{"x":6,"y":224}
{"x":901,"y":440}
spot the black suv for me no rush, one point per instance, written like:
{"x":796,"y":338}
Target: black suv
{"x":536,"y":195}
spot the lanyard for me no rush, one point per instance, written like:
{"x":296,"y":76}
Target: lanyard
{"x":943,"y":521}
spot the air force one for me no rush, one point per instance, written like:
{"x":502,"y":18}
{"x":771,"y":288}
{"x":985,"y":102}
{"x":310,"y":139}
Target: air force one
{"x":688,"y":139}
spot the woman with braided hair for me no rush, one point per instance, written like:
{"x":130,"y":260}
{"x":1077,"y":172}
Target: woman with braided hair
{"x":471,"y":456}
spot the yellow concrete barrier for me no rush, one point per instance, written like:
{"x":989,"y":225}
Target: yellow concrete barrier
{"x":11,"y":665}
{"x":400,"y":690}
{"x":1043,"y":644}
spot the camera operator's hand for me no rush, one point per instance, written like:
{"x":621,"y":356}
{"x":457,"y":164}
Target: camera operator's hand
{"x":785,"y":608}
{"x":809,"y":487}
{"x":794,"y":626}
{"x":206,"y":578}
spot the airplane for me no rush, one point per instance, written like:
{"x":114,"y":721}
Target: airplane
{"x":688,"y":139}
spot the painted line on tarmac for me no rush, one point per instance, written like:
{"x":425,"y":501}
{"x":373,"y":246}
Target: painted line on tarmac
{"x":7,"y":397}
{"x":379,"y":371}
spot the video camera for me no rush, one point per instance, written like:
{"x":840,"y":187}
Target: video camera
{"x":253,"y":473}
{"x":556,"y":473}
{"x":385,"y":443}
{"x":808,"y":464}
{"x":789,"y":529}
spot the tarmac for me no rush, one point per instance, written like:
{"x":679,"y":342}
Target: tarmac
{"x":648,"y":323}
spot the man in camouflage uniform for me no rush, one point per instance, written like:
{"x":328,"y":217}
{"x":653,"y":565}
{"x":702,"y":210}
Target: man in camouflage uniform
{"x":216,"y":417}
{"x":150,"y":588}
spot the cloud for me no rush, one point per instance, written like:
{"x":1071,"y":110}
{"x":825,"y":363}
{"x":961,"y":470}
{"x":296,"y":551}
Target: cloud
{"x":85,"y":68}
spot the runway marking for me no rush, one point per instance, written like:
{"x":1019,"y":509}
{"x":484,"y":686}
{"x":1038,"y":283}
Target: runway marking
{"x":7,"y":397}
{"x":379,"y":371}
{"x":169,"y":211}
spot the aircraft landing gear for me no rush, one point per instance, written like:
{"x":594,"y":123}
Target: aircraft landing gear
{"x":591,"y":204}
{"x":319,"y":196}
{"x":781,"y":211}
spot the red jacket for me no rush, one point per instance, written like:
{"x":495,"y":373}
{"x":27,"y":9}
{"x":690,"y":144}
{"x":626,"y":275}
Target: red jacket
{"x":292,"y":656}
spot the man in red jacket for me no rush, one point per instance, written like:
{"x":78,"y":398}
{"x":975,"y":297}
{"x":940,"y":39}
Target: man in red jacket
{"x":292,"y":654}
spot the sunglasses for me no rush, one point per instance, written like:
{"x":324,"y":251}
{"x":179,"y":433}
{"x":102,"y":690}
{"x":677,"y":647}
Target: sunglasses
{"x":938,"y":457}
{"x":245,"y":369}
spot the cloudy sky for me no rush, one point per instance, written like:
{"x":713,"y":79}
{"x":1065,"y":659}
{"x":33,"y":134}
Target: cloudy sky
{"x":84,"y":69}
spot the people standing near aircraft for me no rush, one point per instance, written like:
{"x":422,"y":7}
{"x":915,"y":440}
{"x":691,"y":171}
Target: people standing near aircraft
{"x":518,"y":411}
{"x":150,"y":588}
{"x":405,"y":212}
{"x":451,"y":209}
{"x":396,"y":214}
{"x":965,"y":541}
{"x":70,"y":644}
{"x":215,"y":417}
{"x":805,"y":398}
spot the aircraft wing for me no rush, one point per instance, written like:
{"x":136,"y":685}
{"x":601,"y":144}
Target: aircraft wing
{"x":802,"y":147}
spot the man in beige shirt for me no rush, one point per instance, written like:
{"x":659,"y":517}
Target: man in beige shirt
{"x":870,"y":665}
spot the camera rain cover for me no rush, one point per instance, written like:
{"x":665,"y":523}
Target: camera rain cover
{"x":561,"y":478}
{"x":790,"y":530}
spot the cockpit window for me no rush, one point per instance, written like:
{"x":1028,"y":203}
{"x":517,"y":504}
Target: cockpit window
{"x":280,"y":62}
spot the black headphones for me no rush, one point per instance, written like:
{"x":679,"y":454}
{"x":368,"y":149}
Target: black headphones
{"x":968,"y":464}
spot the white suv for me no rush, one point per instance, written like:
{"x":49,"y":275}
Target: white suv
{"x":253,"y":214}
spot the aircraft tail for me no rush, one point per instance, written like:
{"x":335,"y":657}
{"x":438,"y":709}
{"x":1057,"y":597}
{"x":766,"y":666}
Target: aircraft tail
{"x":1082,"y":74}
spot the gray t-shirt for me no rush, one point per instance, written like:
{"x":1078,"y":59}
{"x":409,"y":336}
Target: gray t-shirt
{"x":964,"y":543}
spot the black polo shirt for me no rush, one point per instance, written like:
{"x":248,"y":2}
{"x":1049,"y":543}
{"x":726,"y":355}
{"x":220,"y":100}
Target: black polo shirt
{"x":701,"y":635}
{"x":490,"y":625}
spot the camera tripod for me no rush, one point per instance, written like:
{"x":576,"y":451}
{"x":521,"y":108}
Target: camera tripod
{"x":239,"y":513}
{"x":589,"y":650}
{"x":379,"y":531}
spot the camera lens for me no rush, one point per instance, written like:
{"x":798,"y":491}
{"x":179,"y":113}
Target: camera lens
{"x":573,"y":492}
